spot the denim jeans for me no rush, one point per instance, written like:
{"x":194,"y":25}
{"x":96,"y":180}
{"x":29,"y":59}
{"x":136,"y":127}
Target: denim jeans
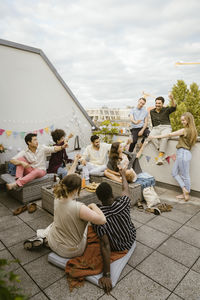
{"x":62,"y":171}
{"x":181,"y":168}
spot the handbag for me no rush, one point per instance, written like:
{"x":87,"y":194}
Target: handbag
{"x":150,"y":196}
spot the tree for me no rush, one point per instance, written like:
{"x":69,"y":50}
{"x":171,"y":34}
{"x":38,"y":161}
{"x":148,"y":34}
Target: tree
{"x":187,"y":100}
{"x":107,"y":130}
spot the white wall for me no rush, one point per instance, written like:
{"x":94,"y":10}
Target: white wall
{"x":163,"y":173}
{"x":32,"y":98}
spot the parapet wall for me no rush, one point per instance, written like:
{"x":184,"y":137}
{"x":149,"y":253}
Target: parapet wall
{"x":162,"y":174}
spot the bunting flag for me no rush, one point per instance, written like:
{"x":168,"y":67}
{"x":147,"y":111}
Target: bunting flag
{"x":148,"y":158}
{"x":156,"y":158}
{"x":22,"y":134}
{"x":168,"y":159}
{"x":46,"y":129}
{"x":15,"y":133}
{"x":141,"y":156}
{"x":8,"y":132}
{"x":1,"y":131}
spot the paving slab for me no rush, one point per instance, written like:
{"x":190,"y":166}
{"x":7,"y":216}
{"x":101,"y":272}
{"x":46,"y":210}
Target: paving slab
{"x":177,"y":216}
{"x":4,"y":211}
{"x":26,"y":216}
{"x":41,"y":222}
{"x":26,"y":283}
{"x":9,"y":202}
{"x":140,"y":253}
{"x":180,"y":251}
{"x":152,"y":266}
{"x":141,"y":216}
{"x":7,"y":222}
{"x":174,"y":297}
{"x":107,"y":297}
{"x":189,"y":288}
{"x":150,"y":236}
{"x":164,"y":224}
{"x":136,"y":223}
{"x":5,"y":254}
{"x":26,"y":256}
{"x":196,"y":266}
{"x":1,"y":246}
{"x":189,"y":235}
{"x":39,"y":296}
{"x":194,"y":222}
{"x":160,"y":190}
{"x":125,"y":271}
{"x":60,"y":290}
{"x":139,"y":287}
{"x":187,"y":207}
{"x":16,"y":234}
{"x":43,"y":272}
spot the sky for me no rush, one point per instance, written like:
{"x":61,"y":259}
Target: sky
{"x":109,"y":51}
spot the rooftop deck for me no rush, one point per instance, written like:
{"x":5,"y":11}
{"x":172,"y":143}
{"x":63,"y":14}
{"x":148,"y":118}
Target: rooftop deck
{"x":165,"y":264}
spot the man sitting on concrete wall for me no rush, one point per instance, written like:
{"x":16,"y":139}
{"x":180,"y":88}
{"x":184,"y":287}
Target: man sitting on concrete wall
{"x":95,"y":158}
{"x":31,"y":163}
{"x":161,"y":124}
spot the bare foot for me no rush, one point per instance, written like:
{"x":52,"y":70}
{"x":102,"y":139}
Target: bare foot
{"x":180,"y":196}
{"x":186,"y":194}
{"x":11,"y":186}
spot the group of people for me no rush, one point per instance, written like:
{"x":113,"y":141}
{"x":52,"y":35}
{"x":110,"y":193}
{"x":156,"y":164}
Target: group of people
{"x":67,"y":235}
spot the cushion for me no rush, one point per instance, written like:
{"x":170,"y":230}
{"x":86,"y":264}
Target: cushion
{"x":116,"y":267}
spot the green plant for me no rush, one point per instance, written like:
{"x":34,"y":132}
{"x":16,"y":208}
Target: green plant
{"x":187,"y":99}
{"x":107,"y":130}
{"x":8,"y":280}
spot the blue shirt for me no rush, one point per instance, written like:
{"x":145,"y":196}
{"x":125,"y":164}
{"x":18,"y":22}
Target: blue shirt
{"x":138,"y":114}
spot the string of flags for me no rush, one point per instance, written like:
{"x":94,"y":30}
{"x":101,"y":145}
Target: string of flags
{"x":23,"y":133}
{"x":148,"y":158}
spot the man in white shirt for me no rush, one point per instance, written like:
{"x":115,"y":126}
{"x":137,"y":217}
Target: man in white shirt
{"x":95,"y":158}
{"x":31,"y":163}
{"x":139,"y":122}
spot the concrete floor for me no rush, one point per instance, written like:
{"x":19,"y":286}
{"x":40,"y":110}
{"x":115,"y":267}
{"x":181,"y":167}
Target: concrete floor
{"x":165,"y":264}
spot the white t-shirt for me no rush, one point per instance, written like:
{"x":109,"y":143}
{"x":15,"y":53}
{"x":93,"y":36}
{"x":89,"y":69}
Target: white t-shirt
{"x":37,"y":159}
{"x":97,"y":157}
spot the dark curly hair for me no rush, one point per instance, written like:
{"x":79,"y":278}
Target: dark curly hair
{"x":104,"y":192}
{"x":57,"y":134}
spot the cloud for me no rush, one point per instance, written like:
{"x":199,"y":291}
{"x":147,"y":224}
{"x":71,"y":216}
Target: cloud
{"x":109,"y":51}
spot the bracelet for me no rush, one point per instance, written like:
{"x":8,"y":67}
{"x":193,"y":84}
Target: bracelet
{"x":107,"y":274}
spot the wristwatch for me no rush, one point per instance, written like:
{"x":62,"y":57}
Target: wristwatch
{"x":107,"y":275}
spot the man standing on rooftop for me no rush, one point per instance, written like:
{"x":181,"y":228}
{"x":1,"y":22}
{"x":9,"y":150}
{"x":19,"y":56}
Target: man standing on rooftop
{"x":139,"y":122}
{"x":161,"y":124}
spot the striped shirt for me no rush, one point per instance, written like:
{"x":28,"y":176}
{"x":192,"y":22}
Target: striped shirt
{"x":119,"y":227}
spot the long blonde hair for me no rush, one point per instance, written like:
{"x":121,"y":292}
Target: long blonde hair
{"x":191,"y":125}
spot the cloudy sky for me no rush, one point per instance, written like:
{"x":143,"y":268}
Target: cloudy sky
{"x":109,"y":51}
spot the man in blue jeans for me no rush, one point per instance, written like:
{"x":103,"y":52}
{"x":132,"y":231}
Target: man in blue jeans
{"x":139,"y":122}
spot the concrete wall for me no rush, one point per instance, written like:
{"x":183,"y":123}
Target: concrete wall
{"x":163,"y":173}
{"x":32,"y":98}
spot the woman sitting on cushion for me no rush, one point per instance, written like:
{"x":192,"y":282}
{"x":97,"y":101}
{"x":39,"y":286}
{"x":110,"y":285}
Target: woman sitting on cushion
{"x":67,"y":235}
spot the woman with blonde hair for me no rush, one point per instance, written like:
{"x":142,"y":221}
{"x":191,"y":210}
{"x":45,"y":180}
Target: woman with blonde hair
{"x":67,"y":235}
{"x":187,"y":139}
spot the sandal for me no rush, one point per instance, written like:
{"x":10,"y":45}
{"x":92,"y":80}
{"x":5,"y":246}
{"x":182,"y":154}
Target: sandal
{"x":140,"y":206}
{"x":34,"y":243}
{"x":156,"y":211}
{"x":19,"y":210}
{"x":165,"y":207}
{"x":32,"y":208}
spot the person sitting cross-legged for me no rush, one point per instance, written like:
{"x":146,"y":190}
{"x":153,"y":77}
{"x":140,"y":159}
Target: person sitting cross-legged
{"x":118,"y":233}
{"x":31,"y":163}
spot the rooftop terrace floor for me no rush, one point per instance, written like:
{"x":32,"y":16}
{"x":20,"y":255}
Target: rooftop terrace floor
{"x":165,"y":264}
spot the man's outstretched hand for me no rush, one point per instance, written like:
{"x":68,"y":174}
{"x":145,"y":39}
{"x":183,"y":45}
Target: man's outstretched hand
{"x":106,"y":284}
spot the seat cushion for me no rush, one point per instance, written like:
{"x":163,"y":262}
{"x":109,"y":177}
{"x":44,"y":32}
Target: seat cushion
{"x":116,"y":267}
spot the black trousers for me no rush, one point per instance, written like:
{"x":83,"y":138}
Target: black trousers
{"x":134,"y":132}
